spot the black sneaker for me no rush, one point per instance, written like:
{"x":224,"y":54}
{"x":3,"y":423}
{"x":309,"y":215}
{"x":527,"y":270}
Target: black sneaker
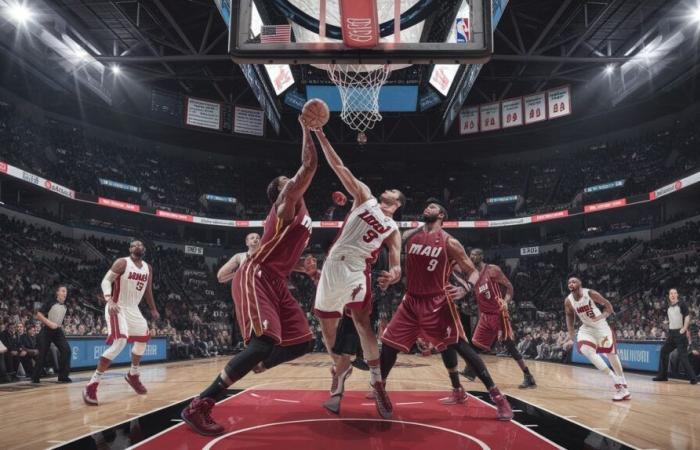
{"x":694,"y":381}
{"x":361,"y":364}
{"x":528,"y":382}
{"x":469,"y":374}
{"x":64,"y":380}
{"x":659,"y":378}
{"x":35,"y":381}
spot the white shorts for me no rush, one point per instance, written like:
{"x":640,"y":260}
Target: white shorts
{"x":345,"y":283}
{"x":601,"y":338}
{"x":129,"y":324}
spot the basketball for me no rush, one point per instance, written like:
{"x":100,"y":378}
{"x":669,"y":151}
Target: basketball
{"x":315,"y":113}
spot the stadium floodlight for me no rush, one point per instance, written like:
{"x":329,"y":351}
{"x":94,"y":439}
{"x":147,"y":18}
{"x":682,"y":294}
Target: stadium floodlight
{"x":609,"y":69}
{"x":695,"y":14}
{"x":19,"y":13}
{"x":116,"y":70}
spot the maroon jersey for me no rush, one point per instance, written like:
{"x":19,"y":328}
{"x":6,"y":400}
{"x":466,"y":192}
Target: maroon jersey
{"x":282,"y":243}
{"x":487,"y":291}
{"x":427,"y":264}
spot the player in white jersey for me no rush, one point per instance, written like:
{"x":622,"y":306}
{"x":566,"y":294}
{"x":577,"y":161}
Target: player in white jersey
{"x":345,"y":277}
{"x":228,"y":270}
{"x":123,"y":287}
{"x":594,"y":336}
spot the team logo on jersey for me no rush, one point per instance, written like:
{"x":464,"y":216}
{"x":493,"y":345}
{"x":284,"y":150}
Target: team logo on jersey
{"x":265,"y":323}
{"x":448,"y":332}
{"x":483,"y":288}
{"x":356,"y":291}
{"x":373,"y":222}
{"x":424,"y":250}
{"x":138,"y":276}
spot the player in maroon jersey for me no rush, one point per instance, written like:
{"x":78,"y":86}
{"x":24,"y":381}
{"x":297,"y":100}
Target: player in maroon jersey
{"x":271,"y":321}
{"x":428,"y":308}
{"x":494,"y":321}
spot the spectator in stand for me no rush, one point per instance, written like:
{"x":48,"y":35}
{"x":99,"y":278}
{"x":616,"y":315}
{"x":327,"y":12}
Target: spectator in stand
{"x":27,"y":347}
{"x":11,"y":340}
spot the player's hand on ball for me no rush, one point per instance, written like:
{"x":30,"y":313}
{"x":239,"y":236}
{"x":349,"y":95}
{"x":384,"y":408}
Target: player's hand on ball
{"x":303,"y":124}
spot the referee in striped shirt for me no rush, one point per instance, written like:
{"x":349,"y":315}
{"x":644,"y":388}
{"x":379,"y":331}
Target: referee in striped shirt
{"x":678,"y":325}
{"x":51,"y":316}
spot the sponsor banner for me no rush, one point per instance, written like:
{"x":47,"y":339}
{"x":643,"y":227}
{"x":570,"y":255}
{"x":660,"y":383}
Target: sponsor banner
{"x":86,"y":352}
{"x":57,"y":188}
{"x":328,"y":224}
{"x":549,"y":216}
{"x":203,"y":113}
{"x":467,"y":224}
{"x":605,"y":205}
{"x":193,"y":250}
{"x":469,"y":120}
{"x":220,"y":198}
{"x":633,"y":355}
{"x":280,"y":76}
{"x":248,"y":121}
{"x":428,"y":100}
{"x":118,"y":204}
{"x":407,"y":224}
{"x":504,"y":199}
{"x":450,"y":224}
{"x":295,"y":99}
{"x":535,"y":110}
{"x":118,"y":185}
{"x":442,"y":77}
{"x":512,"y":112}
{"x":509,"y":222}
{"x":36,"y":180}
{"x":481,"y":224}
{"x":529,"y":251}
{"x":559,"y":102}
{"x":604,"y":186}
{"x":174,"y":216}
{"x":3,"y":167}
{"x":490,"y":116}
{"x":675,"y":186}
{"x":218,"y":222}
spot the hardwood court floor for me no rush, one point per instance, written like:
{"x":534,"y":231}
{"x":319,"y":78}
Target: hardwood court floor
{"x":659,"y":416}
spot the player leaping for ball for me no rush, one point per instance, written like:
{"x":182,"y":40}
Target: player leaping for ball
{"x":345,"y":277}
{"x":595,"y":335}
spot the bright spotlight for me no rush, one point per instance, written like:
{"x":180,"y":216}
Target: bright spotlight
{"x":695,"y":14}
{"x":609,"y":69}
{"x":116,"y":69}
{"x":19,"y":13}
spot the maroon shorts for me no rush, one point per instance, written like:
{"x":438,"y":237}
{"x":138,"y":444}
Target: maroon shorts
{"x":264,"y":306}
{"x":490,"y":328}
{"x":435,"y":319}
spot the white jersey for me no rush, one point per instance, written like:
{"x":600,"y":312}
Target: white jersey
{"x":586,"y":309}
{"x":363,"y":232}
{"x":129,"y":287}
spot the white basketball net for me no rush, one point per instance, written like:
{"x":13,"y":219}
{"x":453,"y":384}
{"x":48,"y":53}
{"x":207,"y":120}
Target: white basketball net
{"x":359,"y":87}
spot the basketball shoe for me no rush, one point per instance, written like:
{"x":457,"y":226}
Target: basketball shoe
{"x":458,"y":397}
{"x":504,"y":410}
{"x":381,"y":398}
{"x":135,"y":382}
{"x":198,"y":416}
{"x":90,"y":394}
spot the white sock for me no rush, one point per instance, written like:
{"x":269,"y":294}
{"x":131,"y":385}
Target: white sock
{"x":96,"y":377}
{"x":134,"y":370}
{"x":590,"y":353}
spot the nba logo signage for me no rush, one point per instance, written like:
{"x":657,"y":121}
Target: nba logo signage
{"x":462,"y":28}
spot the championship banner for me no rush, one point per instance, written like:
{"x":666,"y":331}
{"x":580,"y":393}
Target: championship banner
{"x":535,"y":108}
{"x":194,"y":250}
{"x":203,"y":113}
{"x":174,"y":216}
{"x":605,"y":205}
{"x":559,"y":102}
{"x":490,"y":116}
{"x":504,"y":199}
{"x":118,"y":185}
{"x":512,"y":112}
{"x":604,"y":186}
{"x":248,"y":121}
{"x":469,"y":120}
{"x":118,"y":204}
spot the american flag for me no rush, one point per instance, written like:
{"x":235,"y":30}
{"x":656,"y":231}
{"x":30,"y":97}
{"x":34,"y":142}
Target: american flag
{"x":275,"y":33}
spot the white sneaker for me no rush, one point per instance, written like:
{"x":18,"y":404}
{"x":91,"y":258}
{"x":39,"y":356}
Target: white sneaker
{"x":621,"y":393}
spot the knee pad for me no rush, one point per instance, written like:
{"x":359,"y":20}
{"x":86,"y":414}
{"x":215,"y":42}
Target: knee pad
{"x":115,"y":349}
{"x":139,"y":348}
{"x":449,"y":358}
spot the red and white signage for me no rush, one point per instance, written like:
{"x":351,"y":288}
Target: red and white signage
{"x":3,"y":167}
{"x":605,"y":205}
{"x":535,"y":108}
{"x":331,"y":224}
{"x":490,"y":116}
{"x":360,"y":23}
{"x":118,"y":204}
{"x":203,"y":113}
{"x":469,"y":120}
{"x":550,"y":216}
{"x":280,"y":76}
{"x":512,"y":112}
{"x":174,"y":216}
{"x":442,"y":77}
{"x":559,"y":102}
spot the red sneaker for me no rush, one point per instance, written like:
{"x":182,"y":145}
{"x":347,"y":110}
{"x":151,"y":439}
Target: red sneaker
{"x":504,"y":410}
{"x":90,"y":394}
{"x":381,"y":398}
{"x":458,"y":397}
{"x":198,"y":416}
{"x":135,"y":382}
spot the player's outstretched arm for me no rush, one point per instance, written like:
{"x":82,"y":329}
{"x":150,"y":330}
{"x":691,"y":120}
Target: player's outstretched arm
{"x":503,"y":280}
{"x":118,"y":268}
{"x":295,"y":189}
{"x":599,"y":299}
{"x":359,"y":190}
{"x":456,"y":253}
{"x":228,"y":270}
{"x":393,"y":275}
{"x":155,"y":315}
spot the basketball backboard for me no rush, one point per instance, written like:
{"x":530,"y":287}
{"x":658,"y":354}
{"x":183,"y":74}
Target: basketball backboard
{"x":292,"y":31}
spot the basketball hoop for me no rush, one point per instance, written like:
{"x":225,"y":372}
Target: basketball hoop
{"x":359,"y":87}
